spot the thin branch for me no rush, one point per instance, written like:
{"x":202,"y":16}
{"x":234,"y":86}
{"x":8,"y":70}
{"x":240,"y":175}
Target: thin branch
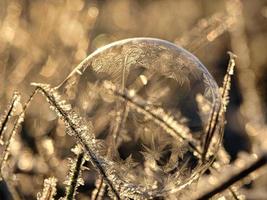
{"x":237,"y":177}
{"x":159,"y":116}
{"x":9,"y":113}
{"x":98,"y":193}
{"x":49,"y":189}
{"x":17,"y":123}
{"x":83,"y":131}
{"x":75,"y":175}
{"x":217,"y":116}
{"x":206,"y":31}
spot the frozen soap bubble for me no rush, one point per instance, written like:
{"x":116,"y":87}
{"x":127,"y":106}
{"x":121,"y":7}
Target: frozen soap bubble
{"x":150,"y":102}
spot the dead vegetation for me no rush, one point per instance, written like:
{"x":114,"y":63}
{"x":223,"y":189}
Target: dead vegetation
{"x":132,"y":136}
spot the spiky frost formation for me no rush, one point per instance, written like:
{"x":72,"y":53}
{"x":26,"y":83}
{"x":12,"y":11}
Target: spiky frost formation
{"x":168,"y":124}
{"x":227,"y":81}
{"x":9,"y":112}
{"x":74,"y":179}
{"x":49,"y":189}
{"x":121,"y":187}
{"x":157,"y":114}
{"x":83,"y":131}
{"x":217,"y":117}
{"x":99,"y":191}
{"x":241,"y":170}
{"x":15,"y":106}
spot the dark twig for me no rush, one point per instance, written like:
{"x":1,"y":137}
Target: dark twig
{"x":74,"y":176}
{"x":237,"y":177}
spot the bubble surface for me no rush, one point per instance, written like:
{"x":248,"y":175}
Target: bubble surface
{"x":150,"y":103}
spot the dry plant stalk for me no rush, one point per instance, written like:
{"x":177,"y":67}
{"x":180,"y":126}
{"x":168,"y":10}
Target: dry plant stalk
{"x":74,"y":178}
{"x":49,"y":189}
{"x":216,"y":117}
{"x":83,"y":130}
{"x":15,"y":103}
{"x":8,"y":114}
{"x":85,"y":137}
{"x":206,"y":31}
{"x":99,"y":192}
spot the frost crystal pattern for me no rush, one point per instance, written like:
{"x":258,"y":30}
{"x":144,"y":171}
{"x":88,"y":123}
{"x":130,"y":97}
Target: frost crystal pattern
{"x":150,"y":103}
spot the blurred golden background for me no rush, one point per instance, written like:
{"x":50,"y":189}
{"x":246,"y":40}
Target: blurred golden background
{"x":43,"y":40}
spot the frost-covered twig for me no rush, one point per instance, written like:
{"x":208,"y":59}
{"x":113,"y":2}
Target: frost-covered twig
{"x":49,"y":189}
{"x":8,"y":114}
{"x":83,"y":131}
{"x":74,"y":177}
{"x":217,"y":116}
{"x":158,"y":115}
{"x":17,"y":123}
{"x":14,"y":105}
{"x":236,"y":177}
{"x":98,"y":193}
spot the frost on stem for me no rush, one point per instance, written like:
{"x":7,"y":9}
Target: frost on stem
{"x":157,"y":114}
{"x":141,"y":92}
{"x":99,"y":191}
{"x":15,"y":107}
{"x":49,"y":189}
{"x":74,"y":179}
{"x":107,"y":168}
{"x":83,"y":131}
{"x":217,"y":117}
{"x":9,"y":112}
{"x":233,"y":174}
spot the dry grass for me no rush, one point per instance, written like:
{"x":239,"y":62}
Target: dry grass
{"x":136,"y":139}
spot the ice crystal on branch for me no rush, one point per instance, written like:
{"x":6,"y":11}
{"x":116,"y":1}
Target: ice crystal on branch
{"x":15,"y":109}
{"x":9,"y":112}
{"x":74,"y":179}
{"x":49,"y":189}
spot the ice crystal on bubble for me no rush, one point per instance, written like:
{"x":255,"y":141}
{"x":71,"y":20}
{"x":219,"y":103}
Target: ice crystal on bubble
{"x":148,"y":102}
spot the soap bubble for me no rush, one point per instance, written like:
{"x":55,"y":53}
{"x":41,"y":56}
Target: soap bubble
{"x":150,"y":103}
